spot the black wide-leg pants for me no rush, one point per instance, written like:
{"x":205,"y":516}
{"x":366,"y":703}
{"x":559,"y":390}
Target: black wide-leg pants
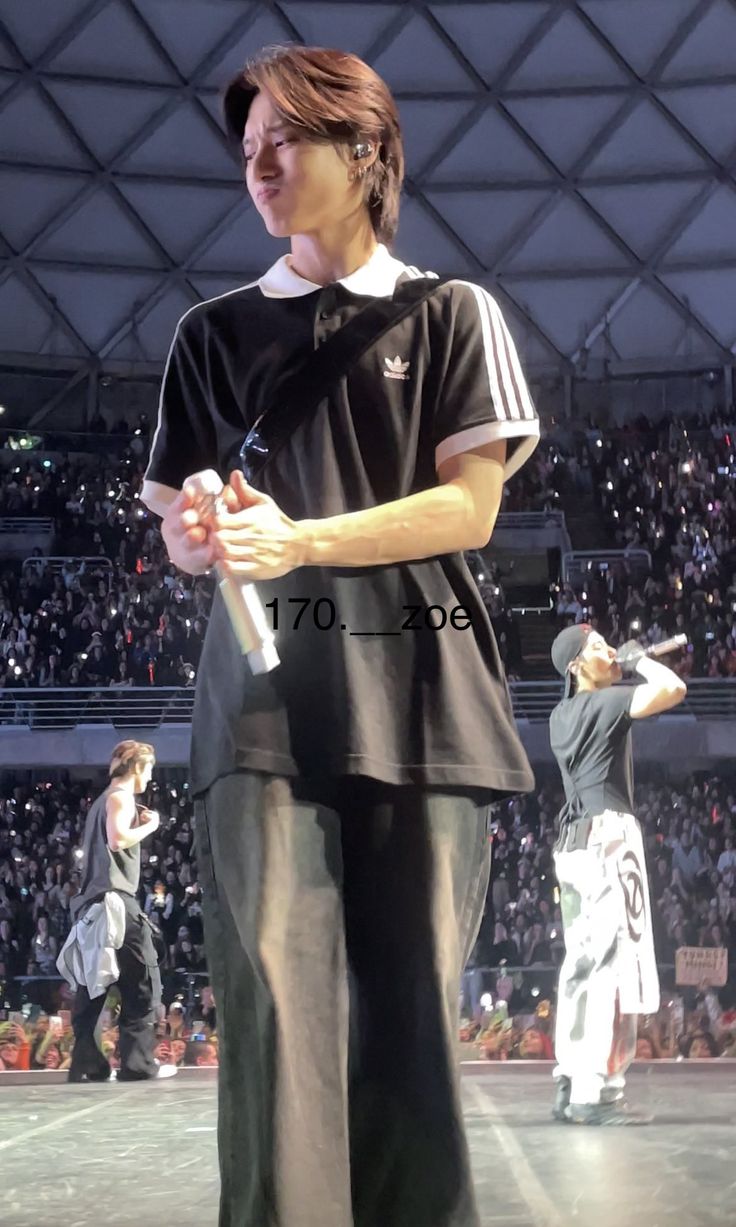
{"x":337,"y":923}
{"x":140,"y":995}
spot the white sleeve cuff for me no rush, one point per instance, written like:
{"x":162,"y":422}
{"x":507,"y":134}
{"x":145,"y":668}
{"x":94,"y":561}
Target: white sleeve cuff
{"x":490,"y":432}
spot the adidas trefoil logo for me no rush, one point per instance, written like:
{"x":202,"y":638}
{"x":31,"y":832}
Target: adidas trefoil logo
{"x":396,"y":368}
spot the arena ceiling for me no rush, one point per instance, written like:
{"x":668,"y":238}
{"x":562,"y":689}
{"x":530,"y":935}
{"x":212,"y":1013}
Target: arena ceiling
{"x":577,"y":158}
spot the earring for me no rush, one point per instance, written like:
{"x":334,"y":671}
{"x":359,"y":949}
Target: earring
{"x":362,"y":151}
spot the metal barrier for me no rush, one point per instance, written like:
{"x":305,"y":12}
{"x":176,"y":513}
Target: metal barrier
{"x":83,"y":562}
{"x":529,"y":519}
{"x":578,"y":565}
{"x":25,"y":525}
{"x":119,"y":706}
{"x":151,"y":706}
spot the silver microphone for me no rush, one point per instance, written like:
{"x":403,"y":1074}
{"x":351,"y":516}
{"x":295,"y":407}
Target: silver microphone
{"x":666,"y":646}
{"x":241,"y":599}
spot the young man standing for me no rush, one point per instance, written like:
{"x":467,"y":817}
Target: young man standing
{"x":609,"y":974}
{"x":342,"y":799}
{"x":114,"y":830}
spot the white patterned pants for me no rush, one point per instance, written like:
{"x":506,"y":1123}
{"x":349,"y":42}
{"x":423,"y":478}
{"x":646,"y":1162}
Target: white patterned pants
{"x":609,"y":974}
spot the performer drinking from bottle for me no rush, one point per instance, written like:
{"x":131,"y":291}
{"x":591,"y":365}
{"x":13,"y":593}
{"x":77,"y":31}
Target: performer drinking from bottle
{"x":609,"y":974}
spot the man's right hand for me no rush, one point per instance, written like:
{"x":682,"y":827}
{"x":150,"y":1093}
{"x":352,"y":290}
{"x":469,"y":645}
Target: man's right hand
{"x":187,"y":539}
{"x":628,"y":657}
{"x":149,"y":818}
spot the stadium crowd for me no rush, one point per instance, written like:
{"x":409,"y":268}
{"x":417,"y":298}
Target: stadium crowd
{"x":122,"y":617}
{"x":670,"y":492}
{"x":690,"y":833}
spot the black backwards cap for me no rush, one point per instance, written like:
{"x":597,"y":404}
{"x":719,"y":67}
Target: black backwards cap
{"x":566,"y":648}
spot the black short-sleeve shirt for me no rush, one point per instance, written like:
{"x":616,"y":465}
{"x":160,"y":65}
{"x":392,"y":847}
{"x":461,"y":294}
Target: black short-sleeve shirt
{"x":590,"y":734}
{"x":365,"y":685}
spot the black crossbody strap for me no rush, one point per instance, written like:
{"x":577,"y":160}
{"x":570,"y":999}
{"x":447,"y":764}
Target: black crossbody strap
{"x":307,"y":385}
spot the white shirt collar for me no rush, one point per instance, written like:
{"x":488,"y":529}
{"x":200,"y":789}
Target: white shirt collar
{"x":375,"y":279}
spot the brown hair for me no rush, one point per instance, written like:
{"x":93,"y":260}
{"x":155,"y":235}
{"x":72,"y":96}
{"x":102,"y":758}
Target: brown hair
{"x":127,"y":755}
{"x":333,"y":96}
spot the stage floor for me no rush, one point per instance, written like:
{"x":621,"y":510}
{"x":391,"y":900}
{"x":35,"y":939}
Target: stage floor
{"x":124,"y":1155}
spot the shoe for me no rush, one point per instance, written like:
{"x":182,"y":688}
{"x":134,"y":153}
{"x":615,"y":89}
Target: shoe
{"x":161,"y":1071}
{"x":605,"y":1114}
{"x":166,"y":1071}
{"x":562,"y":1098}
{"x":103,"y":1075}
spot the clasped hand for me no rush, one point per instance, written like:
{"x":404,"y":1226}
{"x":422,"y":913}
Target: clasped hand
{"x":253,"y":539}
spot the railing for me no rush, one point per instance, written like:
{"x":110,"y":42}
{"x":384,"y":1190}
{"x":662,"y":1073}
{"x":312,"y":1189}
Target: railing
{"x":151,"y":706}
{"x":55,"y":563}
{"x":25,"y":524}
{"x":121,"y":706}
{"x":579,"y":565}
{"x":529,"y":519}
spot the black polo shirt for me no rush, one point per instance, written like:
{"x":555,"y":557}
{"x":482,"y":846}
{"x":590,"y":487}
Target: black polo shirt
{"x":380,"y":674}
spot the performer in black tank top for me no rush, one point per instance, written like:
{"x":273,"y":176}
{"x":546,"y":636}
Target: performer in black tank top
{"x":115,"y":828}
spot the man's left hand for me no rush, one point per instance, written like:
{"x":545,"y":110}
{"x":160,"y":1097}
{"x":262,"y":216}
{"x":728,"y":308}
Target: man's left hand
{"x":255,"y":539}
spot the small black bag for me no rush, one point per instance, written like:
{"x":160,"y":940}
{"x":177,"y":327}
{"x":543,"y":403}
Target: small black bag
{"x":308,"y":384}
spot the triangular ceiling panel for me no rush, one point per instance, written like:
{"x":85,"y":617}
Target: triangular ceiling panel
{"x":640,"y":32}
{"x":565,"y":308}
{"x":213,"y":287}
{"x":96,"y":303}
{"x":156,"y":328}
{"x":646,"y":326}
{"x":243,"y":245}
{"x":645,"y":142}
{"x":107,"y":117}
{"x":264,"y":31}
{"x":568,"y":54}
{"x":31,"y":132}
{"x":530,"y":345}
{"x":35,"y":24}
{"x":127,"y":51}
{"x":27,"y":327}
{"x":29,"y":201}
{"x":187,"y":37}
{"x":497,"y":172}
{"x":417,"y":59}
{"x":423,"y":242}
{"x":103,"y":231}
{"x":180,"y":217}
{"x":709,"y":46}
{"x":567,"y":238}
{"x":643,"y":213}
{"x":708,"y":112}
{"x":709,"y":293}
{"x":712,"y":234}
{"x":7,"y":58}
{"x":351,"y":27}
{"x":534,"y":351}
{"x":425,"y":126}
{"x":561,"y":126}
{"x":489,"y":35}
{"x":212,"y":100}
{"x":488,"y":221}
{"x":184,"y":144}
{"x":491,"y":150}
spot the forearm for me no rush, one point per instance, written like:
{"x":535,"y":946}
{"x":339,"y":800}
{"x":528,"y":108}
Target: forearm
{"x":134,"y":836}
{"x":658,"y":675}
{"x":442,"y":520}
